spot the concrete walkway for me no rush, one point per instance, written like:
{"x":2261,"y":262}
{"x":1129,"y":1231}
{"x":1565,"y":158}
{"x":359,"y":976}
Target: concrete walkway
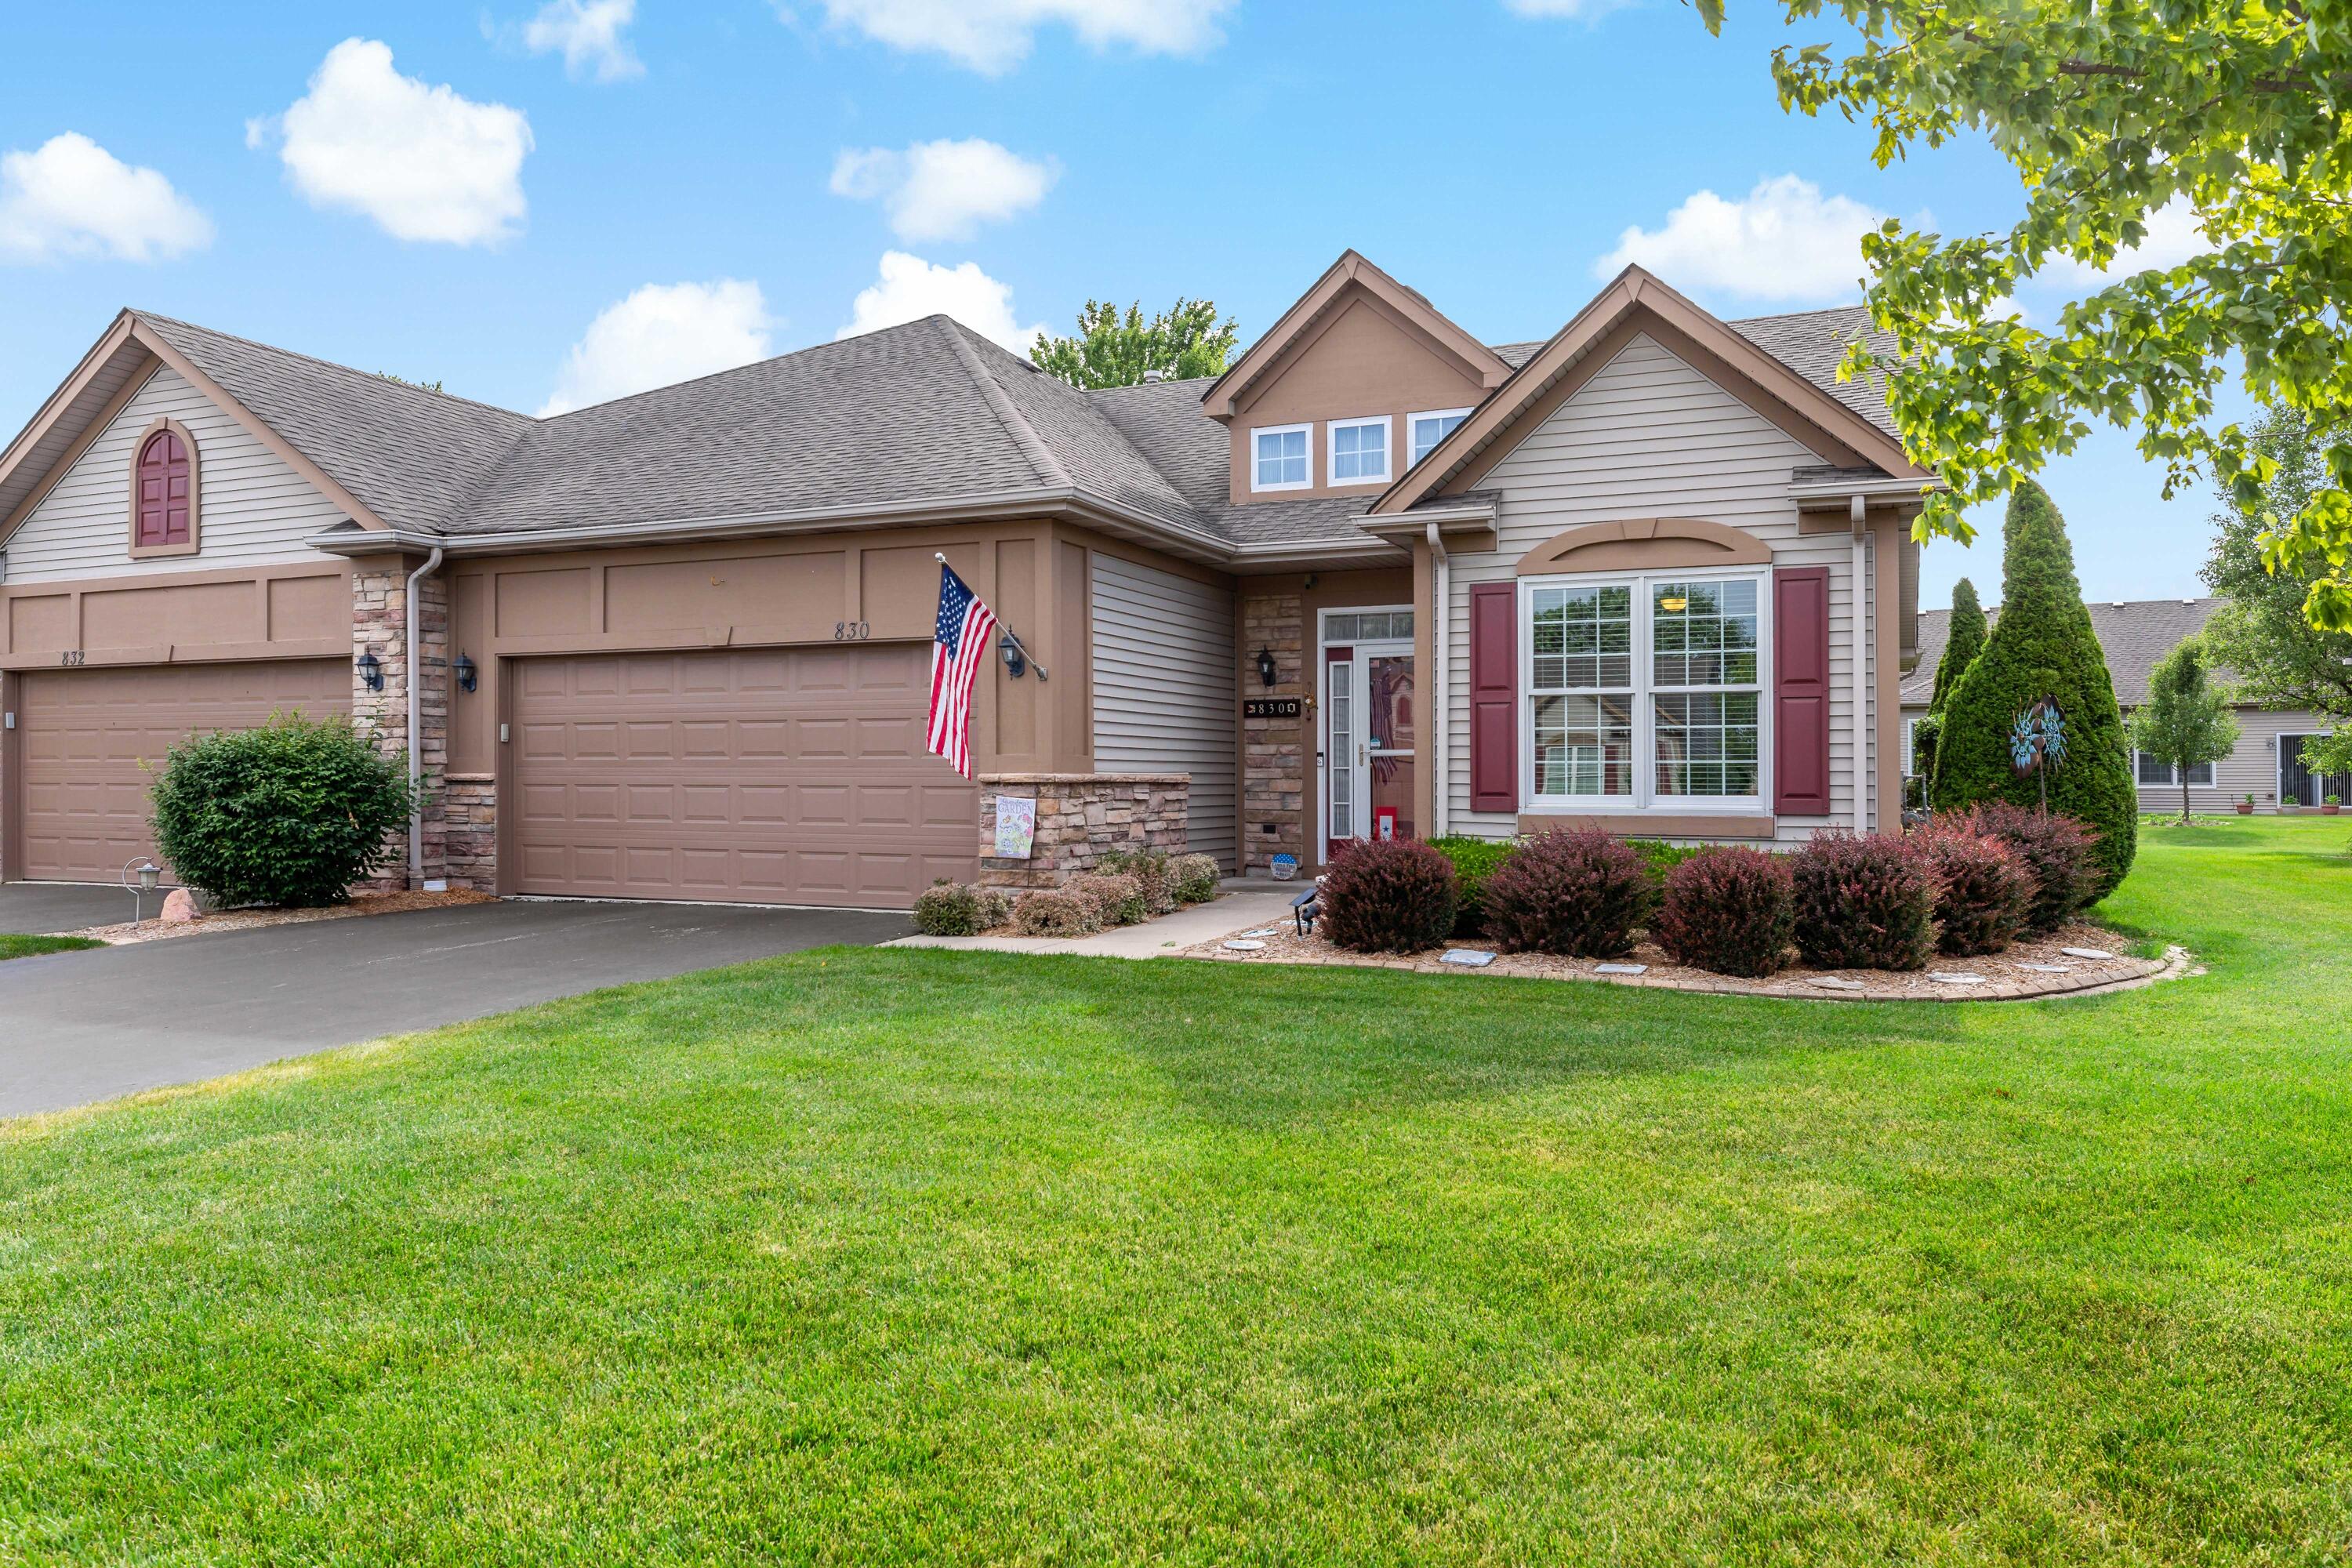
{"x":1261,"y":904}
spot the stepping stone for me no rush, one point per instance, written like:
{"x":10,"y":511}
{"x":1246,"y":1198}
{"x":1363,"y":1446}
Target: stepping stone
{"x":2086,"y":953}
{"x":1267,"y":931}
{"x":1621,"y":969}
{"x":1244,"y":946}
{"x":1950,"y":979}
{"x":1469,"y":958}
{"x":2049,"y":968}
{"x":1831,"y":982}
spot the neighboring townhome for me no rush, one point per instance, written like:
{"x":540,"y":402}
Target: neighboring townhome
{"x":2267,"y":764}
{"x":1653,"y":574}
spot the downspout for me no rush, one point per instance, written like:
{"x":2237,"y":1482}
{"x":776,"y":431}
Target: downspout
{"x":1440,"y":709}
{"x":411,"y":633}
{"x":1863,"y":730}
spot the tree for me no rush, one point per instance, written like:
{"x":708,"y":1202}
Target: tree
{"x":2042,"y":647}
{"x":1181,"y":342}
{"x":2219,"y":123}
{"x":1962,"y":644}
{"x":2274,"y":656}
{"x":2184,"y":721}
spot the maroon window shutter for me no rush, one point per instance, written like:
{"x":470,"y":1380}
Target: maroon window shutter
{"x":1494,"y":697}
{"x":1801,"y":691}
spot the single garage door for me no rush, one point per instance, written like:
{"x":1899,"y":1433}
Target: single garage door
{"x":776,"y":775}
{"x":87,"y":731}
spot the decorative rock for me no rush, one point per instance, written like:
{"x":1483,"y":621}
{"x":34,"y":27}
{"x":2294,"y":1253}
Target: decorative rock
{"x":179,"y":906}
{"x":1945,"y":977}
{"x":1238,"y":945}
{"x":1467,"y":957}
{"x":1621,"y":969}
{"x":2086,"y":953}
{"x":1831,"y":982}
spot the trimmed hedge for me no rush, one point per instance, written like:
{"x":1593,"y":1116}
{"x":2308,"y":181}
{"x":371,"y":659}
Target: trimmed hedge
{"x":1730,"y":910}
{"x":1660,"y":858}
{"x":1054,"y":911}
{"x":1864,"y":903}
{"x":2043,"y":645}
{"x":1983,"y":890}
{"x":290,"y":814}
{"x":1196,"y":879}
{"x":950,"y":909}
{"x":1152,"y":871}
{"x":1576,"y":892}
{"x":1115,"y":899}
{"x":1397,"y":896}
{"x":1475,"y":860}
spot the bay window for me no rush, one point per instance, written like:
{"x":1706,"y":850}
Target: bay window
{"x":1645,"y":690}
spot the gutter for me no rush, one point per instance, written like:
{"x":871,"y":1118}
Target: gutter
{"x":1440,"y":590}
{"x":1866,"y":732}
{"x":411,"y":636}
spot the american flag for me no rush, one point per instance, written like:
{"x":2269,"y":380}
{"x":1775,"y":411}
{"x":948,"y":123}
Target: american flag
{"x":958,"y":648}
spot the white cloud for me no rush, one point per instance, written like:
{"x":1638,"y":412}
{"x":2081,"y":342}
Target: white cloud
{"x":943,"y":190}
{"x":663,"y":334}
{"x":72,"y":197}
{"x":2173,"y":236}
{"x":1582,"y":10}
{"x":424,"y":162}
{"x":911,"y":287}
{"x":995,"y":36}
{"x":588,"y":34}
{"x":1784,"y":240}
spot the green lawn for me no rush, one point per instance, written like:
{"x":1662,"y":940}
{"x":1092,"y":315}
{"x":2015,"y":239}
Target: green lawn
{"x":867,"y":1256}
{"x":35,"y":946}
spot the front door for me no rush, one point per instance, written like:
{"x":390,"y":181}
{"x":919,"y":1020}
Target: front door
{"x":1370,"y":710}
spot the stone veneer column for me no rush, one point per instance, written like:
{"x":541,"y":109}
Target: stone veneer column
{"x":1081,"y":818}
{"x":1274,"y":813}
{"x":379,"y":626}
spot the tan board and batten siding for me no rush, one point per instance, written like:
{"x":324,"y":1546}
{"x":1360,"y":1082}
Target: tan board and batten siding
{"x":1165,"y":689}
{"x":255,"y":511}
{"x":1650,"y":437}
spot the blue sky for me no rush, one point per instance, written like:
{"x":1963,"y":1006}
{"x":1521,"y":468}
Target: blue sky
{"x":541,"y":205}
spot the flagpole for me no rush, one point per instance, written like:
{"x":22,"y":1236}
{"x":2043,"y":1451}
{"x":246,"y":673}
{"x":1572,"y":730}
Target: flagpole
{"x":1011,"y":635}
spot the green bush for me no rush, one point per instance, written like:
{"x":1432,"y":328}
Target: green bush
{"x":949,"y":908}
{"x":1054,"y":911}
{"x":290,"y":814}
{"x":1115,"y":899}
{"x":1475,"y":859}
{"x":2041,"y":646}
{"x":1660,"y":858}
{"x":1152,"y":868}
{"x":1196,"y":879}
{"x":1962,"y":642}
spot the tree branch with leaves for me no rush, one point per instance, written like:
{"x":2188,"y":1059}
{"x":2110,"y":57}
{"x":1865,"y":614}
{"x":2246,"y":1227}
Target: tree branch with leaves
{"x":1183,"y":342}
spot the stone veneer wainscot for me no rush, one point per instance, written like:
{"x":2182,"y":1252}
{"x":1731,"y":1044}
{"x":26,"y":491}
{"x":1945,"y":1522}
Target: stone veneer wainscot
{"x":1081,"y":818}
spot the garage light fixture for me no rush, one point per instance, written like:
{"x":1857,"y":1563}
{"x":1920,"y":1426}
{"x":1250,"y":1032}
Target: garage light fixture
{"x":1015,"y":660}
{"x":469,"y":677}
{"x":370,"y":671}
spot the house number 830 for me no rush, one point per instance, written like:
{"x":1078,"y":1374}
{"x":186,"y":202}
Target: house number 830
{"x":852,"y":631}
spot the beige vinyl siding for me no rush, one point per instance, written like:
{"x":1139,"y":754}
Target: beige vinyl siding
{"x":1650,"y":437}
{"x":2252,"y":768}
{"x":1165,"y":689}
{"x":254,"y":510}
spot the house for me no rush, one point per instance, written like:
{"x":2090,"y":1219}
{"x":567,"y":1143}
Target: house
{"x":1654,"y":572}
{"x":2267,"y":761}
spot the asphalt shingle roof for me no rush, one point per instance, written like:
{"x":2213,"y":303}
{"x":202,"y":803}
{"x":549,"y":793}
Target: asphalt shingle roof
{"x":1812,"y":342}
{"x":2133,"y":636}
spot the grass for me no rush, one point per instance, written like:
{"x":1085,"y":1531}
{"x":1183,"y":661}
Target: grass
{"x":36,"y":946}
{"x":879,"y":1256}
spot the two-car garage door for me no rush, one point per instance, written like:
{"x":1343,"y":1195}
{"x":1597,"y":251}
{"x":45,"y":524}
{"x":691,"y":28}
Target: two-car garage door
{"x":761,"y":775}
{"x":86,"y":733}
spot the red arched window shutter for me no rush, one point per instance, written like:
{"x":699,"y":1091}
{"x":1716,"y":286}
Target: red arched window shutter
{"x":1801,"y":691}
{"x":1494,"y":697}
{"x":165,"y":492}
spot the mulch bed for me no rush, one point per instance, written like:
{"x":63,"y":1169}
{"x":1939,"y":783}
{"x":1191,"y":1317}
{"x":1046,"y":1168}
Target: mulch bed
{"x":2003,"y":976}
{"x":130,"y":932}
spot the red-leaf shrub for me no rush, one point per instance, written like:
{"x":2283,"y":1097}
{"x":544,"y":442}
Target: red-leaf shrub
{"x":1396,"y":896}
{"x":1983,"y":891}
{"x":1575,"y":893}
{"x":1864,"y":903}
{"x":2059,"y":851}
{"x":1731,"y":910}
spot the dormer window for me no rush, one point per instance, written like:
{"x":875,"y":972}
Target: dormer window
{"x":1279,"y":459}
{"x":1424,"y":431}
{"x":1359,"y":451}
{"x":164,"y":491}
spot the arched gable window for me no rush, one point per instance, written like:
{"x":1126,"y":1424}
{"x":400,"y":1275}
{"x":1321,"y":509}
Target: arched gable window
{"x":164,"y":491}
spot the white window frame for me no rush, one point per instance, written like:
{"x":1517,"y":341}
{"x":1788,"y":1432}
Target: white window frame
{"x":1413,"y":458}
{"x":1259,"y":487}
{"x":1910,"y":746}
{"x":1331,"y":451}
{"x":1645,"y":801}
{"x":2172,"y":774}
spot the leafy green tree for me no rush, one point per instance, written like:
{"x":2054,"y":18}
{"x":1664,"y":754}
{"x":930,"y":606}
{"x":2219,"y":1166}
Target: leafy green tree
{"x":2186,"y":720}
{"x":1183,"y":342}
{"x":1961,"y":645}
{"x":2220,"y":123}
{"x":2275,"y":656}
{"x":2329,"y":756}
{"x":2043,"y":647}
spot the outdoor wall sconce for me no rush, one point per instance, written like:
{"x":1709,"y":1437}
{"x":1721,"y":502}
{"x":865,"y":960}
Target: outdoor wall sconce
{"x":1016,"y":658}
{"x":370,"y":671}
{"x":469,"y":677}
{"x":1265,"y":671}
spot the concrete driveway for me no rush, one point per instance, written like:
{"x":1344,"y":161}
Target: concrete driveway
{"x":82,"y":1027}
